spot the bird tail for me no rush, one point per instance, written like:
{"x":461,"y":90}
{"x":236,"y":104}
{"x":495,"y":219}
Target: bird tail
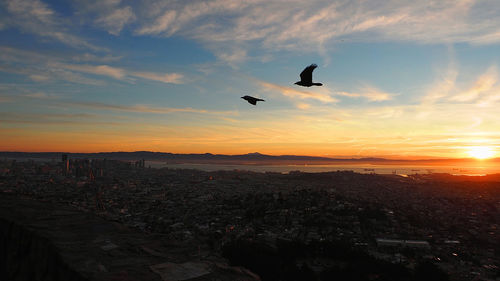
{"x":317,"y":84}
{"x":260,"y":100}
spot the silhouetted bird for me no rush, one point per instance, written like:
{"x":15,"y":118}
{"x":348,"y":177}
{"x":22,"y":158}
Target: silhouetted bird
{"x":252,"y":100}
{"x":306,"y":77}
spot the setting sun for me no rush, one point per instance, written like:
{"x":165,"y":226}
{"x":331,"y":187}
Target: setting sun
{"x":481,"y":152}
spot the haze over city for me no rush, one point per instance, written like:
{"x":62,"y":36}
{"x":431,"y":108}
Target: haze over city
{"x":405,"y":79}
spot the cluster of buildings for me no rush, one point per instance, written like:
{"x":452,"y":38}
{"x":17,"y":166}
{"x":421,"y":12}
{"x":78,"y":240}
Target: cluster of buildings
{"x":399,"y":219}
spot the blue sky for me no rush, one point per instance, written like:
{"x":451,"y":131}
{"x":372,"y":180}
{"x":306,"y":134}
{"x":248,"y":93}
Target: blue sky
{"x":401,"y":78}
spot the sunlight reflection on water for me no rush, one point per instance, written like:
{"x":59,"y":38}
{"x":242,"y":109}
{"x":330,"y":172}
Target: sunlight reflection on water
{"x":403,"y":170}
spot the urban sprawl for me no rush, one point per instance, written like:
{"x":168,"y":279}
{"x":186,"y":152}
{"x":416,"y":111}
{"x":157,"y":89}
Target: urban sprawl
{"x":451,"y":222}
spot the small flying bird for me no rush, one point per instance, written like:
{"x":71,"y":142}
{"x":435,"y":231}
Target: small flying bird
{"x":306,"y":77}
{"x":251,"y":100}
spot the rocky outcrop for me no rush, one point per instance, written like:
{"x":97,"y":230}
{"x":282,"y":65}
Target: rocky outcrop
{"x":26,"y":255}
{"x":51,"y":241}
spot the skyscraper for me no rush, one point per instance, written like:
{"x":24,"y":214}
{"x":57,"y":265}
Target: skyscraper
{"x":65,"y":161}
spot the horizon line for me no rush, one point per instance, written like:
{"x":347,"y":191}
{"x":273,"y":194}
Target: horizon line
{"x":339,"y":157}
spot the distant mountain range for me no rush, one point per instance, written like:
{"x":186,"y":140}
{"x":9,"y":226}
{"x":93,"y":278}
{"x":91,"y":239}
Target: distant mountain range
{"x":250,"y":158}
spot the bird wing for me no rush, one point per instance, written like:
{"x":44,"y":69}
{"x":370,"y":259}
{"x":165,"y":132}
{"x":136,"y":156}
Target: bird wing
{"x":306,"y":74}
{"x":252,"y":100}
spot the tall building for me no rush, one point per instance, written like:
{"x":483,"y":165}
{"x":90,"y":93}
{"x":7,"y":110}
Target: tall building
{"x":65,"y":161}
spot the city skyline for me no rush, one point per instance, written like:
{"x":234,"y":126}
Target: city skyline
{"x":400,"y":80}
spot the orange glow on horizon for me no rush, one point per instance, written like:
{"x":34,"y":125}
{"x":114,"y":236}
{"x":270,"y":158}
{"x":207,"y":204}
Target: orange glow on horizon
{"x":481,"y":152}
{"x":249,"y":140}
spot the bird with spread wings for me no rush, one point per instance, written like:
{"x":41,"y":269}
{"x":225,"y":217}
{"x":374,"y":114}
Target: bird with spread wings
{"x":251,"y":99}
{"x":306,"y":77}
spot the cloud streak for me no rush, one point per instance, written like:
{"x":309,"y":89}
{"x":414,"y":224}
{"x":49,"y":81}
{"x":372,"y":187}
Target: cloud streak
{"x":319,"y":95}
{"x":232,"y":30}
{"x":371,"y":94}
{"x":483,"y":84}
{"x":36,"y":17}
{"x":113,"y":72}
{"x":483,"y":92}
{"x":312,"y":26}
{"x":110,"y":15}
{"x":174,"y":78}
{"x":123,"y":74}
{"x":41,"y":67}
{"x":146,"y":108}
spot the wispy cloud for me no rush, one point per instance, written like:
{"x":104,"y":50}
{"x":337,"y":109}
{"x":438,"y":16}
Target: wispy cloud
{"x":318,"y":94}
{"x":161,"y":24}
{"x":491,"y":99}
{"x":370,"y":93}
{"x":87,"y":57}
{"x":111,"y":15}
{"x":41,"y":67}
{"x":17,"y":55}
{"x":482,"y":85}
{"x":233,"y":30}
{"x":115,"y":20}
{"x":123,"y":74}
{"x":442,"y":87}
{"x":297,"y":25}
{"x":14,"y":93}
{"x":174,"y":78}
{"x":39,"y":77}
{"x":385,"y":113}
{"x":45,"y":73}
{"x":146,"y":108}
{"x":483,"y":92}
{"x":302,"y":105}
{"x":113,"y":72}
{"x":39,"y":95}
{"x":232,"y":56}
{"x":44,"y":66}
{"x":38,"y":18}
{"x":8,"y":54}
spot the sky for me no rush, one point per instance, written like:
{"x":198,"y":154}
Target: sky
{"x":401,"y":79}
